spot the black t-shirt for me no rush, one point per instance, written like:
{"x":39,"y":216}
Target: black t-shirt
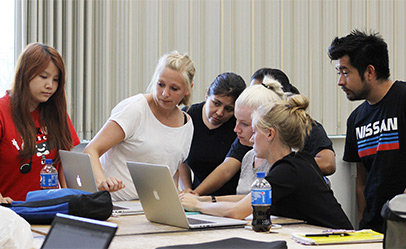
{"x":376,"y":137}
{"x":238,"y":150}
{"x":299,"y":191}
{"x":209,"y":149}
{"x":315,"y":142}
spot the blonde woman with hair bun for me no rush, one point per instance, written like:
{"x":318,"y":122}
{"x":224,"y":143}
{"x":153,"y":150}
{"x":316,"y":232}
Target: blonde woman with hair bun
{"x":145,"y":127}
{"x":317,"y":142}
{"x":246,"y":103}
{"x":292,"y":115}
{"x":298,"y":188}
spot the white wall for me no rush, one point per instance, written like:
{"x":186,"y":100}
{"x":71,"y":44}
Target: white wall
{"x":343,"y":181}
{"x":112,"y":47}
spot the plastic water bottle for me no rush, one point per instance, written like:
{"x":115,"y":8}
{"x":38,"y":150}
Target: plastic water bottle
{"x":261,"y":200}
{"x":49,"y":176}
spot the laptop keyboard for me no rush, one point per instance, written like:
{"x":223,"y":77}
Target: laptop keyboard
{"x":193,"y":221}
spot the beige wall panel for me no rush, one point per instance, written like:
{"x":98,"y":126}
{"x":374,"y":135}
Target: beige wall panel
{"x":198,"y":50}
{"x":373,"y":12}
{"x":330,"y":110}
{"x":89,"y":72}
{"x":228,"y":29}
{"x":287,"y":39}
{"x":242,"y":37}
{"x":122,"y":48}
{"x":265,"y":34}
{"x":167,"y":26}
{"x":236,"y":18}
{"x":135,"y":43}
{"x":111,"y":48}
{"x":299,"y":46}
{"x":100,"y":111}
{"x":315,"y":61}
{"x":207,"y":42}
{"x":151,"y":52}
{"x":181,"y":29}
{"x":387,"y":28}
{"x":359,"y":13}
{"x":399,"y":66}
{"x":271,"y":35}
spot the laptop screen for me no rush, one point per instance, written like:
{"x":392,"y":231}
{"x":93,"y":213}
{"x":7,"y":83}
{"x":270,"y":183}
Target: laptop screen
{"x":69,"y":231}
{"x":78,"y":171}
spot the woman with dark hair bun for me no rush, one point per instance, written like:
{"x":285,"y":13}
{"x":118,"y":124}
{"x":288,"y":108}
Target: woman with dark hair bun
{"x":213,"y":122}
{"x":34,"y":123}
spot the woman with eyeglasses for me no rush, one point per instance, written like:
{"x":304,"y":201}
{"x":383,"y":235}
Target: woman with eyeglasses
{"x":34,"y":123}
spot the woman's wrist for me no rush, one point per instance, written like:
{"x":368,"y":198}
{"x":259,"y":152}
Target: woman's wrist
{"x":205,"y":198}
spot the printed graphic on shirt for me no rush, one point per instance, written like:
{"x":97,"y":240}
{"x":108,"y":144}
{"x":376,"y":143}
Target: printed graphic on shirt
{"x":42,"y":149}
{"x":377,"y":136}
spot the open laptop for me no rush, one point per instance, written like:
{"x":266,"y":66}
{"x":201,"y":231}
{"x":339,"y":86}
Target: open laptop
{"x":78,"y":172}
{"x":68,"y":231}
{"x":159,"y":199}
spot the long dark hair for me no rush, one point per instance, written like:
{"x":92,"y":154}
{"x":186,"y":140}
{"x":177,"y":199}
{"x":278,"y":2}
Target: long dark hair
{"x":53,"y":115}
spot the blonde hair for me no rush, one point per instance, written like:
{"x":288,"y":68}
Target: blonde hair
{"x":178,"y":62}
{"x":254,"y":96}
{"x":289,"y":118}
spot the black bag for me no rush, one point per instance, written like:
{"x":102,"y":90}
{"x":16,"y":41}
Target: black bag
{"x":232,"y":243}
{"x":394,"y":215}
{"x":41,"y":206}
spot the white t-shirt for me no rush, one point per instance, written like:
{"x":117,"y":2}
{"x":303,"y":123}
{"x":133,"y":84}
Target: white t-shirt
{"x":249,"y":173}
{"x":146,"y":140}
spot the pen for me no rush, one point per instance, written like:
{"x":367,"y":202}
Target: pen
{"x":325,"y":234}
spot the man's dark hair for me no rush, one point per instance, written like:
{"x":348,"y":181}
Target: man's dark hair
{"x":362,"y":50}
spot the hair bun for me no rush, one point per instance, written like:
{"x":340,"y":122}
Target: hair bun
{"x":297,"y":102}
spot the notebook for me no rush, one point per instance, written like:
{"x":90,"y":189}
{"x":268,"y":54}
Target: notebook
{"x":68,"y":231}
{"x":79,"y":175}
{"x":338,"y":237}
{"x":160,"y":201}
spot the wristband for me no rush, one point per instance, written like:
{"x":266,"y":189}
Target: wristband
{"x":213,"y":198}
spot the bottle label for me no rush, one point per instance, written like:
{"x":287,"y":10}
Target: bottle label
{"x":49,"y":180}
{"x":261,"y":197}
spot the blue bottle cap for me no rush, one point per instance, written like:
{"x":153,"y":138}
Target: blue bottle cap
{"x":261,"y":174}
{"x":48,"y":161}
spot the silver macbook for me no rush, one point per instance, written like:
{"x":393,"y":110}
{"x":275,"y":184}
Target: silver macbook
{"x":78,"y":172}
{"x":160,"y":201}
{"x":68,"y":231}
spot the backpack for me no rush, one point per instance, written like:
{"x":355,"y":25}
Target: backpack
{"x":41,"y":206}
{"x":394,"y":214}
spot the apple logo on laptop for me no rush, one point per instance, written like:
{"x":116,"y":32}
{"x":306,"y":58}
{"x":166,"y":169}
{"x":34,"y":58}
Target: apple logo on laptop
{"x":155,"y":192}
{"x":78,"y":181}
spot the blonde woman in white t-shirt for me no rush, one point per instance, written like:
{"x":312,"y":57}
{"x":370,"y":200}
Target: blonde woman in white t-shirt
{"x":147,"y":128}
